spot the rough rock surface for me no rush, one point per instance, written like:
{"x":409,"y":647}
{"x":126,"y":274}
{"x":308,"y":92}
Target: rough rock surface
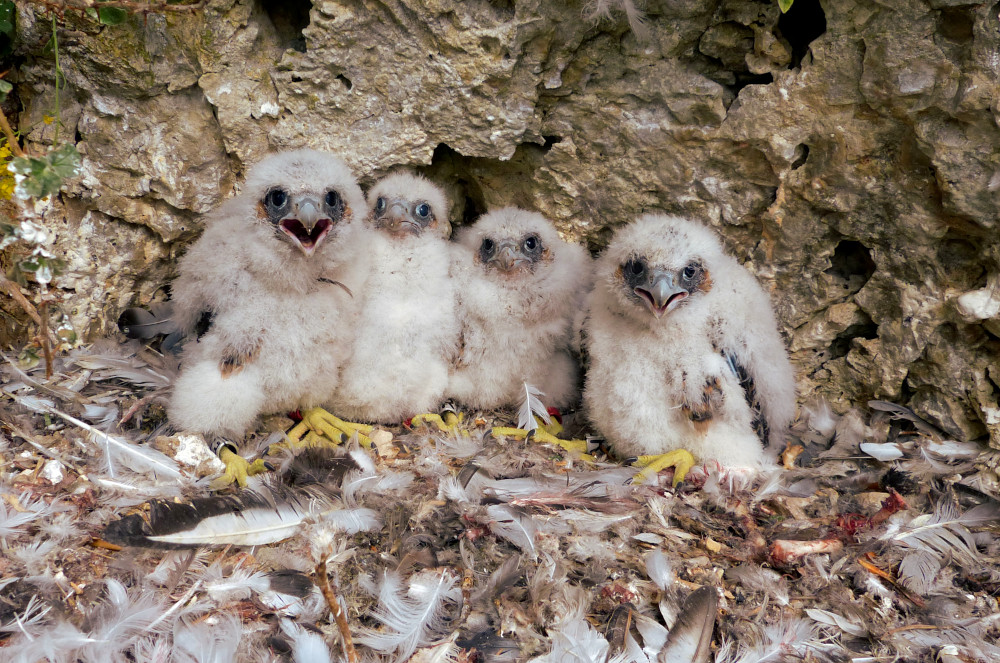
{"x":849,"y":151}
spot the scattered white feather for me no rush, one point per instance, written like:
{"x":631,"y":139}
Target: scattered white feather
{"x":531,"y":407}
{"x":518,"y":528}
{"x":28,"y":510}
{"x":209,"y":641}
{"x":945,"y":532}
{"x":759,"y":579}
{"x":885,"y":452}
{"x":778,"y":642}
{"x":413,"y":617}
{"x":307,"y":646}
{"x":350,"y":521}
{"x":659,"y":570}
{"x":575,"y":640}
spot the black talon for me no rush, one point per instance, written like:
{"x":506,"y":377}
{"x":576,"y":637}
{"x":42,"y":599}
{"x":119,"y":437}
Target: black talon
{"x":631,"y":460}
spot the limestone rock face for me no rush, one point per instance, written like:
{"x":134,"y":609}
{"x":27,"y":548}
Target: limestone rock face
{"x":848,"y":151}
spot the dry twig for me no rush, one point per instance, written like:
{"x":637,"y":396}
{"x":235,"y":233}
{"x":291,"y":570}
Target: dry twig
{"x":338,"y":612}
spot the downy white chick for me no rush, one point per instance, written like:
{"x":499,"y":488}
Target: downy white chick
{"x":684,"y":348}
{"x":408,"y":328}
{"x":270,"y":273}
{"x":519,"y":286}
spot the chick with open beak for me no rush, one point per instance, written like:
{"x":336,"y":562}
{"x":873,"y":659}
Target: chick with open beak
{"x":302,"y":217}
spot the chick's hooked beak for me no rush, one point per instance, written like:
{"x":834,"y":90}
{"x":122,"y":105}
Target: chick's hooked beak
{"x":397,"y":219}
{"x":508,"y":257}
{"x":660,"y":294}
{"x":305,"y":224}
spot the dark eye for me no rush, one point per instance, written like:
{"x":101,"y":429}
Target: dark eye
{"x":332,"y":198}
{"x":380,"y":204}
{"x":690,"y":272}
{"x":276,"y":199}
{"x":635,"y":267}
{"x":532,"y":243}
{"x":423,"y":210}
{"x":487,"y":246}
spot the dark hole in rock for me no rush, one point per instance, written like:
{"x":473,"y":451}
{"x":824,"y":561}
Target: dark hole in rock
{"x":956,"y":23}
{"x":505,"y":8}
{"x":841,"y":345}
{"x":289,"y":18}
{"x":550,"y":141}
{"x":745,"y":79}
{"x":801,"y":154}
{"x":961,"y":261}
{"x":800,"y":25}
{"x":851,"y":260}
{"x":447,"y":165}
{"x":346,"y":81}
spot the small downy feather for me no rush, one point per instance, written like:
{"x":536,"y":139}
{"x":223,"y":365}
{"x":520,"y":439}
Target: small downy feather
{"x":690,"y":639}
{"x":307,"y":646}
{"x":202,"y":642}
{"x":659,"y":571}
{"x":148,"y":323}
{"x":575,"y":640}
{"x":517,"y":527}
{"x":117,"y":450}
{"x":759,"y":579}
{"x":11,"y":519}
{"x":413,"y":617}
{"x":531,"y":407}
{"x":117,"y":363}
{"x":945,"y":532}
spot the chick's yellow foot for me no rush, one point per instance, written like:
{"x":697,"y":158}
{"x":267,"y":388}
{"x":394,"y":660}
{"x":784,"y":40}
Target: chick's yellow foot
{"x":446,"y":423}
{"x":238,"y":469}
{"x":546,"y":435}
{"x":319,"y":427}
{"x":679,"y":459}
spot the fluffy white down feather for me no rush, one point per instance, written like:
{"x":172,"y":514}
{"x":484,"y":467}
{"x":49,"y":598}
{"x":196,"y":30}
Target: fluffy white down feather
{"x":517,"y":327}
{"x":407,"y":332}
{"x":643,"y":369}
{"x":268,"y":302}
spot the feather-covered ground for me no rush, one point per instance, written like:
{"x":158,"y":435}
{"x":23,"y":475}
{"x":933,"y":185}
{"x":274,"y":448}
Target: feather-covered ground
{"x":878,"y":544}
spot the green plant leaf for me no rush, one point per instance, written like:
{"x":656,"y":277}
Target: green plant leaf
{"x":44,"y":176}
{"x":784,"y":5}
{"x":112,"y":15}
{"x":7,"y":13}
{"x":5,"y":89}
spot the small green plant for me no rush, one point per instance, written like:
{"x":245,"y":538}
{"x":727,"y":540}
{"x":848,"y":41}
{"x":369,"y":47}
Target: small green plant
{"x":784,"y":5}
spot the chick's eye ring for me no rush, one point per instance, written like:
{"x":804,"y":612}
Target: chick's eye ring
{"x":487,"y":246}
{"x":276,"y":198}
{"x":531,"y":243}
{"x":635,"y":267}
{"x":423,"y":210}
{"x":380,"y":204}
{"x":332,"y":198}
{"x":690,"y":271}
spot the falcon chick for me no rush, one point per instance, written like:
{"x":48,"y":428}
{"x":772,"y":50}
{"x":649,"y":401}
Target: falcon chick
{"x":684,"y":348}
{"x":269,"y":275}
{"x":408,"y":328}
{"x":519,"y":287}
